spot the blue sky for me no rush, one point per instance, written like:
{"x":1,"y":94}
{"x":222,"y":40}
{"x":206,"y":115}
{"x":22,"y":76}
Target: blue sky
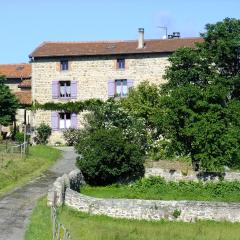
{"x":24,"y":24}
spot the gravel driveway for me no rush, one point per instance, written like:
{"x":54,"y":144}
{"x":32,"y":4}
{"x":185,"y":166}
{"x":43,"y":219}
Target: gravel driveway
{"x":16,"y":206}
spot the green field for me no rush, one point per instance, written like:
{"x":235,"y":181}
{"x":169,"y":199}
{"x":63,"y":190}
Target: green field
{"x":15,"y":170}
{"x":85,"y":227}
{"x":156,"y":188}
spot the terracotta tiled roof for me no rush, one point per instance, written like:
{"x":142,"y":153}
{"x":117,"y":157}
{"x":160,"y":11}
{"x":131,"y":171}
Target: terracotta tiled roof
{"x":23,"y":70}
{"x":51,"y":49}
{"x":25,"y":84}
{"x":24,"y":97}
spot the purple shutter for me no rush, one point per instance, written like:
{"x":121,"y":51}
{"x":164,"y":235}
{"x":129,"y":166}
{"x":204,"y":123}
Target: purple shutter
{"x":111,"y":88}
{"x":129,"y":83}
{"x":74,"y":120}
{"x":73,"y":89}
{"x":55,"y":121}
{"x":55,"y":89}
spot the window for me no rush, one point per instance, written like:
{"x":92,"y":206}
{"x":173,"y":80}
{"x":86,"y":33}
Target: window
{"x":64,"y":120}
{"x":64,"y":65}
{"x":65,"y":89}
{"x":121,"y":88}
{"x":121,"y":63}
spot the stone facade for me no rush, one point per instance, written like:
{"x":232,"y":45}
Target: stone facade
{"x":92,"y":75}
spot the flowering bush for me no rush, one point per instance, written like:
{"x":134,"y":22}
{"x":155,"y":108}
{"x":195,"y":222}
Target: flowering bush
{"x":71,"y":136}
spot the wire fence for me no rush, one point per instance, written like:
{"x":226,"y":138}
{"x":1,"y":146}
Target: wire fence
{"x":59,"y":232}
{"x":12,"y":152}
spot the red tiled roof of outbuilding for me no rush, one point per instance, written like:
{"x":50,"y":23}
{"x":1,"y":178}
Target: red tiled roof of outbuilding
{"x":24,"y":97}
{"x":23,"y":70}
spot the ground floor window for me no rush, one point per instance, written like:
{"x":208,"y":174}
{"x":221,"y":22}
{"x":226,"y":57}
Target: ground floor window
{"x":121,"y":88}
{"x":64,"y":120}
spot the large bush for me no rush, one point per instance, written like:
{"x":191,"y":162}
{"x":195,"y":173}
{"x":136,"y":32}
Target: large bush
{"x":107,"y":156}
{"x":43,"y":133}
{"x":112,"y":145}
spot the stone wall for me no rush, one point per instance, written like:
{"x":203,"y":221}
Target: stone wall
{"x":177,"y":175}
{"x":189,"y":211}
{"x":64,"y":191}
{"x":92,"y":75}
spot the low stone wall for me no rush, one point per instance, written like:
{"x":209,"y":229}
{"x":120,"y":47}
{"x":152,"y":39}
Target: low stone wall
{"x":188,"y":211}
{"x":73,"y":180}
{"x":65,"y":190}
{"x":177,"y":175}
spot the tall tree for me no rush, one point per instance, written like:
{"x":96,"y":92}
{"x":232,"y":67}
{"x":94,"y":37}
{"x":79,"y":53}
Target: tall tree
{"x":8,"y":104}
{"x":201,"y":100}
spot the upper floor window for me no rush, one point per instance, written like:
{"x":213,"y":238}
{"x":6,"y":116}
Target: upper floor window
{"x":65,"y":89}
{"x":121,"y":88}
{"x":63,"y":65}
{"x":121,"y":63}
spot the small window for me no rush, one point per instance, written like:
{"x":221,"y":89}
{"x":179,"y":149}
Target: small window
{"x":64,"y":120}
{"x":65,"y":89}
{"x":121,"y":63}
{"x":64,"y":65}
{"x":121,"y":88}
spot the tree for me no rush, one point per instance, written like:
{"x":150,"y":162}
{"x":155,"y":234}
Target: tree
{"x":201,"y":101}
{"x":8,"y":104}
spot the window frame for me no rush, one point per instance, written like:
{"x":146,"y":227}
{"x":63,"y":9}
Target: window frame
{"x":64,"y":62}
{"x":121,"y":95}
{"x":65,"y":89}
{"x":121,"y":63}
{"x":65,"y":120}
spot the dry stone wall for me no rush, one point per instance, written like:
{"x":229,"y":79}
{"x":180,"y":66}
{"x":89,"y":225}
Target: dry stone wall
{"x":64,"y":191}
{"x":177,"y":175}
{"x":188,"y":211}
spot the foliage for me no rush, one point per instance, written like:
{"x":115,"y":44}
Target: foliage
{"x":159,"y":189}
{"x":201,"y":104}
{"x":106,"y":157}
{"x":42,"y":133}
{"x":19,"y":137}
{"x":71,"y":136}
{"x":112,"y":145}
{"x":144,"y":102}
{"x":77,"y":106}
{"x":8,"y":104}
{"x":91,"y":227}
{"x":176,"y":213}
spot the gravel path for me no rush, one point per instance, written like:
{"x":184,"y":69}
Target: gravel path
{"x":16,"y":206}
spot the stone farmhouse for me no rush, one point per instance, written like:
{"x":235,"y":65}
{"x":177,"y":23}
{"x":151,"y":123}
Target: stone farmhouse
{"x":18,"y":78}
{"x":76,"y":71}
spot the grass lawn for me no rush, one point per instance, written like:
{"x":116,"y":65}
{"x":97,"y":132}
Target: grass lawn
{"x":17,"y":170}
{"x":158,"y":189}
{"x":85,"y":227}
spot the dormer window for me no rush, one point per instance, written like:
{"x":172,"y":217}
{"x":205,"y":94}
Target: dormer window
{"x":121,"y":63}
{"x":64,"y":65}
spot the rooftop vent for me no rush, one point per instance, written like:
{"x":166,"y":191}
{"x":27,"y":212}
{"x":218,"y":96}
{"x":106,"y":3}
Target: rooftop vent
{"x":174,"y":35}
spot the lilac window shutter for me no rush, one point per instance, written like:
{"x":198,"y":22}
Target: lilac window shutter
{"x":54,"y":121}
{"x":73,"y":89}
{"x":55,"y":89}
{"x":74,"y":120}
{"x":111,"y":88}
{"x":130,"y":83}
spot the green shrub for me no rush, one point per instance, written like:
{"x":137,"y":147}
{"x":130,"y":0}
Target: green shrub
{"x":176,"y":213}
{"x":107,"y":156}
{"x":19,"y":137}
{"x":43,"y":133}
{"x":71,"y":136}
